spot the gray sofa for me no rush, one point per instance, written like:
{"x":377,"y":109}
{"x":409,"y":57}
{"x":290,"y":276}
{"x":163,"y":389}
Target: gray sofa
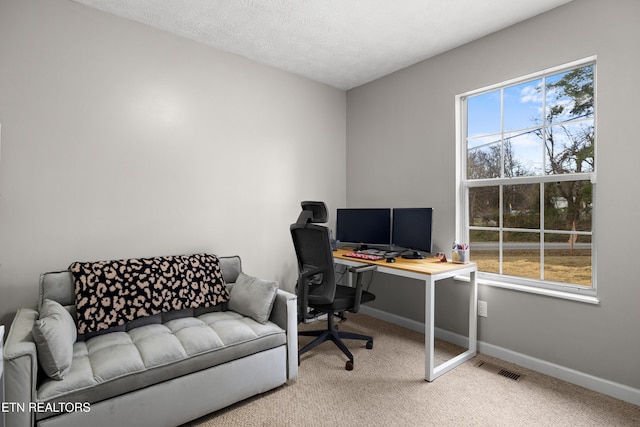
{"x":161,"y":370}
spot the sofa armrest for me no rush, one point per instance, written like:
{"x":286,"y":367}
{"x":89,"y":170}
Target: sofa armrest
{"x":285,"y":315}
{"x":21,"y":367}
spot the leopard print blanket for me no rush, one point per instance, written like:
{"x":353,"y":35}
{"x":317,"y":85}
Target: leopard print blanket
{"x":111,"y":293}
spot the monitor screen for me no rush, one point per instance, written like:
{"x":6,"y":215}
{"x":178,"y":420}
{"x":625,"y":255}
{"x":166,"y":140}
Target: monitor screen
{"x":364,"y":226}
{"x":412,"y":228}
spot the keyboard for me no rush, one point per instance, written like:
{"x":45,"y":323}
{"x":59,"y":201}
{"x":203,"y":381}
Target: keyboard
{"x":364,"y":256}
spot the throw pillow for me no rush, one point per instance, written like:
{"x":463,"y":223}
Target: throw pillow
{"x":54,"y":333}
{"x":253,"y":297}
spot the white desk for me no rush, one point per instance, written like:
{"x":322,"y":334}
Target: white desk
{"x":430,"y":271}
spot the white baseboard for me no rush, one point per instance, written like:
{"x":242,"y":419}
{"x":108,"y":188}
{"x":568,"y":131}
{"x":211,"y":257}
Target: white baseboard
{"x":610,"y":388}
{"x":393,"y":318}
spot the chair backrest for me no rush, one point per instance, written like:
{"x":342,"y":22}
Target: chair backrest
{"x":313,"y":250}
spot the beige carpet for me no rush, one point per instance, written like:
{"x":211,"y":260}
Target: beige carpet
{"x":387,"y":388}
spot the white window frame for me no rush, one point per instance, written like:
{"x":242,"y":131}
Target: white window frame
{"x":566,"y":291}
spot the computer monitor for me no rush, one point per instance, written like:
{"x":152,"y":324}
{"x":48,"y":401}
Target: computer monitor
{"x":366,"y":226}
{"x":412,"y":231}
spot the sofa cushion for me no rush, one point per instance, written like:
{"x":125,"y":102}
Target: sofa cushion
{"x":115,"y":363}
{"x":253,"y":297}
{"x":54,"y":334}
{"x":112,"y":293}
{"x":231,"y":267}
{"x":57,"y":286}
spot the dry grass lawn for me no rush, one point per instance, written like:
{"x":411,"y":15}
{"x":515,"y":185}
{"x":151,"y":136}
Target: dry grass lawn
{"x":560,"y":265}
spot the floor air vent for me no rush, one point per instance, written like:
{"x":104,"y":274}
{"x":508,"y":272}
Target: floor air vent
{"x":490,"y":367}
{"x":509,"y":374}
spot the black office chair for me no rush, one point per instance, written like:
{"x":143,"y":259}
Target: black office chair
{"x":317,"y":288}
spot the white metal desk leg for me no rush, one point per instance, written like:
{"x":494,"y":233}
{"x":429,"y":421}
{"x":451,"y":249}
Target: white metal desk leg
{"x":429,"y":318}
{"x":473,"y":313}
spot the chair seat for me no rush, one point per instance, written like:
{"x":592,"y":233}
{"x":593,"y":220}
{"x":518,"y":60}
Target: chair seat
{"x":343,"y":300}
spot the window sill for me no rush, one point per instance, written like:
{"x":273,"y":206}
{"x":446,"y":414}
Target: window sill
{"x":587,"y":299}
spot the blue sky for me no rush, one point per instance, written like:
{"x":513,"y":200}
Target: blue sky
{"x":523,"y":111}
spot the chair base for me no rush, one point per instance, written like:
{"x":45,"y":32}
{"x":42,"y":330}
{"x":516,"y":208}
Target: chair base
{"x":333,"y":334}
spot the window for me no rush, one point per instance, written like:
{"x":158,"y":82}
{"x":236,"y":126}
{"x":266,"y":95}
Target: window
{"x":526,"y":174}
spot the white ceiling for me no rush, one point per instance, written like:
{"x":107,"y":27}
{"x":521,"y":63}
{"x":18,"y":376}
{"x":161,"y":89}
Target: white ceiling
{"x":343,"y":43}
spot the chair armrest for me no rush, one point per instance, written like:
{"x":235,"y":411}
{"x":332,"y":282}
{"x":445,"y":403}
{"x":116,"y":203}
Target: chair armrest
{"x":21,"y":366}
{"x":357,"y":271}
{"x":303,"y":291}
{"x":285,"y":314}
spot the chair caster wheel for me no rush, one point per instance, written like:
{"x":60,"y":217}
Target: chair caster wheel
{"x":369,"y":345}
{"x":349,"y":365}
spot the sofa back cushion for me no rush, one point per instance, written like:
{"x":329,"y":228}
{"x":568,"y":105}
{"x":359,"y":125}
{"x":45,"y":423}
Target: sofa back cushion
{"x":59,"y":286}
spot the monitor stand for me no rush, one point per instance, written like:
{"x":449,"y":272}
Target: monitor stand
{"x":413,"y":255}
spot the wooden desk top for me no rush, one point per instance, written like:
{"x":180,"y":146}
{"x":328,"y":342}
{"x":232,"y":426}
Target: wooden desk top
{"x":430,"y":266}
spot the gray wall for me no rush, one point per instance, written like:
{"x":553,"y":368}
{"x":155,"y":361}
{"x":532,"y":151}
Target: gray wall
{"x":120,"y":141}
{"x":402,"y":128}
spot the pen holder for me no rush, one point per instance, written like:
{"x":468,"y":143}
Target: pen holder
{"x":460,"y":256}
